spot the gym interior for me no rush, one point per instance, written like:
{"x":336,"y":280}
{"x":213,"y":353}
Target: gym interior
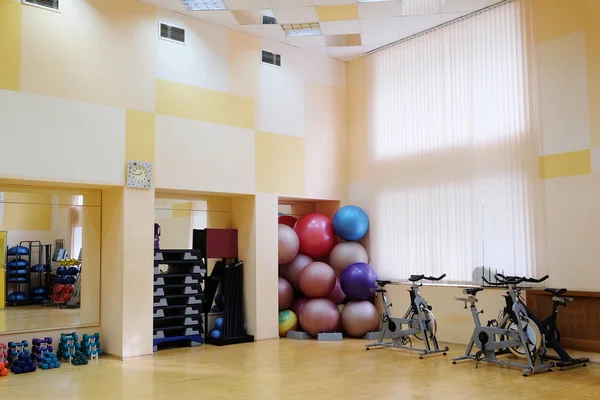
{"x":416,"y":178}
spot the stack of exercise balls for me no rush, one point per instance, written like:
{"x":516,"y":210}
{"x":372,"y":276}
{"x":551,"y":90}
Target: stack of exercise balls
{"x":325,"y":282}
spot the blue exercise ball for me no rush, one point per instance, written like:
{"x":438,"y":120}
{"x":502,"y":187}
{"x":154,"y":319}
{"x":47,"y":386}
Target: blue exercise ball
{"x":219,"y":324}
{"x":279,"y":214}
{"x":350,"y":223}
{"x":215,"y":334}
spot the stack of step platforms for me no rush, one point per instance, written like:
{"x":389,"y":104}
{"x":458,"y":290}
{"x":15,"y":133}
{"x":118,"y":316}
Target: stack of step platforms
{"x":178,"y":297}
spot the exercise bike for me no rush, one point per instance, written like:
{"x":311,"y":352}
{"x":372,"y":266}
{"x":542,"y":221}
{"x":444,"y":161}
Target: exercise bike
{"x":546,"y":326}
{"x":515,"y":332}
{"x":418,"y":321}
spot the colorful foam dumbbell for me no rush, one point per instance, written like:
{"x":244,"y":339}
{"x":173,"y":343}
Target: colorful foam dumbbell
{"x":49,"y":361}
{"x":91,"y":345}
{"x":23,"y":365}
{"x":3,"y":360}
{"x":79,"y":358}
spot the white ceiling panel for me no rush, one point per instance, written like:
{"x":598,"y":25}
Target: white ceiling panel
{"x":295,"y":15}
{"x":450,"y":16}
{"x":264,"y":30}
{"x":290,"y":3}
{"x":173,"y":5}
{"x":379,"y":25}
{"x":219,"y":17}
{"x":380,"y":9}
{"x":246,"y":4}
{"x":347,"y":51}
{"x":422,"y":7}
{"x":333,"y":2}
{"x":340,"y":27}
{"x":307,"y":41}
{"x":380,"y":38}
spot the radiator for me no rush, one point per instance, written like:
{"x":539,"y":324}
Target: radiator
{"x":578,"y":323}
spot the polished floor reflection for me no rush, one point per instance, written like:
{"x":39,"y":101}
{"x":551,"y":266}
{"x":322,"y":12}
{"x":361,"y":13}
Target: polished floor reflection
{"x":27,"y":318}
{"x":288,"y":369}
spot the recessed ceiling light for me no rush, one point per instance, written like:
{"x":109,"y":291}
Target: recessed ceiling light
{"x":304,"y":29}
{"x":204,"y":5}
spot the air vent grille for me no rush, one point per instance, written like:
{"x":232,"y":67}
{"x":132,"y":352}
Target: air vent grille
{"x":52,"y":4}
{"x":267,"y":20}
{"x":271,"y":58}
{"x":173,"y":33}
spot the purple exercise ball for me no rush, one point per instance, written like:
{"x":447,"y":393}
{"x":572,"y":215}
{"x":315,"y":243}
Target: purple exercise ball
{"x":358,"y":281}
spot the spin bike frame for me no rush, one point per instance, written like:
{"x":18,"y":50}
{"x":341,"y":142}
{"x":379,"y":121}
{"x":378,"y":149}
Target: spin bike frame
{"x":417,"y":318}
{"x":484,"y":337}
{"x":547,"y":326}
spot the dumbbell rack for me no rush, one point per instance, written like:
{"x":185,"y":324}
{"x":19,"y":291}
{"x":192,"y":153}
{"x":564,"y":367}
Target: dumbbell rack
{"x":178,"y":297}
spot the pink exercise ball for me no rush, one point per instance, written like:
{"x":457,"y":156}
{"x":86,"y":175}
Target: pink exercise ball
{"x":337,"y":295}
{"x":320,"y":316}
{"x":360,"y":317}
{"x":288,"y":244}
{"x":316,"y":234}
{"x":291,"y":271}
{"x":286,"y":294}
{"x":347,"y":253}
{"x":298,"y":304}
{"x":317,"y":279}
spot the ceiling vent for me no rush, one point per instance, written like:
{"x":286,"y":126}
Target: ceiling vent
{"x":172,"y":33}
{"x":270,"y":58}
{"x":50,"y":4}
{"x":268,"y":20}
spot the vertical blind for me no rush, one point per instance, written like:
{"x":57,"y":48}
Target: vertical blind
{"x":453,"y":153}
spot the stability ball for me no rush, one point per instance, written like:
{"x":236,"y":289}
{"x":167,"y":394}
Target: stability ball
{"x":347,"y":253}
{"x":287,"y":322}
{"x":316,"y":235}
{"x":358,"y":281}
{"x":286,"y":294}
{"x":360,"y":317}
{"x":320,"y":315}
{"x":350,"y":223}
{"x":287,"y":220}
{"x":337,"y":295}
{"x":317,"y":279}
{"x":298,"y":304}
{"x":288,"y":244}
{"x":291,"y":271}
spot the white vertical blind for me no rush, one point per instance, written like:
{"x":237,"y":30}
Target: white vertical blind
{"x":453,"y":154}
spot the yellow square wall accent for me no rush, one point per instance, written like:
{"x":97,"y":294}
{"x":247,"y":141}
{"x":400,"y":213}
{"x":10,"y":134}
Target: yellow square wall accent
{"x":10,"y":45}
{"x":344,"y":12}
{"x":140,"y":133}
{"x":280,"y":164}
{"x":190,"y":102}
{"x":565,"y":164}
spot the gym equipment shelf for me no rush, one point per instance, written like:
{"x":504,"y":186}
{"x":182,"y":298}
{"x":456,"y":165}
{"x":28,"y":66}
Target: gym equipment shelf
{"x":21,"y":267}
{"x":178,"y":297}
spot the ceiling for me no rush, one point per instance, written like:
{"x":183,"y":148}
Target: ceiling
{"x":349,"y":28}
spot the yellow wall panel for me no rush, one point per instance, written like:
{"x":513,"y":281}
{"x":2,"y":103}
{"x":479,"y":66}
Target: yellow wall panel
{"x":556,"y":18}
{"x":565,"y":164}
{"x":140,"y":133}
{"x":10,"y":44}
{"x":280,"y":164}
{"x":593,"y":69}
{"x":190,"y":102}
{"x":344,"y":12}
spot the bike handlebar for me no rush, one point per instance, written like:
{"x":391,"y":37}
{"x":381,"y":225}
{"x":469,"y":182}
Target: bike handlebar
{"x":512,"y":280}
{"x":416,"y":278}
{"x":515,"y":280}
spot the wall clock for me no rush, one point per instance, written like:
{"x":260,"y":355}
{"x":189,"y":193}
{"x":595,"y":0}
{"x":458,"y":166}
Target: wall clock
{"x":139,"y":175}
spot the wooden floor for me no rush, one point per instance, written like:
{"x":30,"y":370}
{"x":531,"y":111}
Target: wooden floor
{"x":30,"y":318}
{"x":288,"y":369}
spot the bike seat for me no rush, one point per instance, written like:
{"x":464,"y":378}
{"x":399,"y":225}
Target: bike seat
{"x":472,"y":291}
{"x":383,"y":283}
{"x":556,"y":292}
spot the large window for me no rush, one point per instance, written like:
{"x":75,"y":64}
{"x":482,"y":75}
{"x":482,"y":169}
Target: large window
{"x":453,"y":152}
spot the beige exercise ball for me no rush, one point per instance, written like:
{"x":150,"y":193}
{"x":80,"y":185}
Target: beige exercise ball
{"x":347,"y":253}
{"x":360,"y":317}
{"x":288,"y":244}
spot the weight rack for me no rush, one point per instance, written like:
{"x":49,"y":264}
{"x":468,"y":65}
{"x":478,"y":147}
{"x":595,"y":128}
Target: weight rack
{"x":178,"y":297}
